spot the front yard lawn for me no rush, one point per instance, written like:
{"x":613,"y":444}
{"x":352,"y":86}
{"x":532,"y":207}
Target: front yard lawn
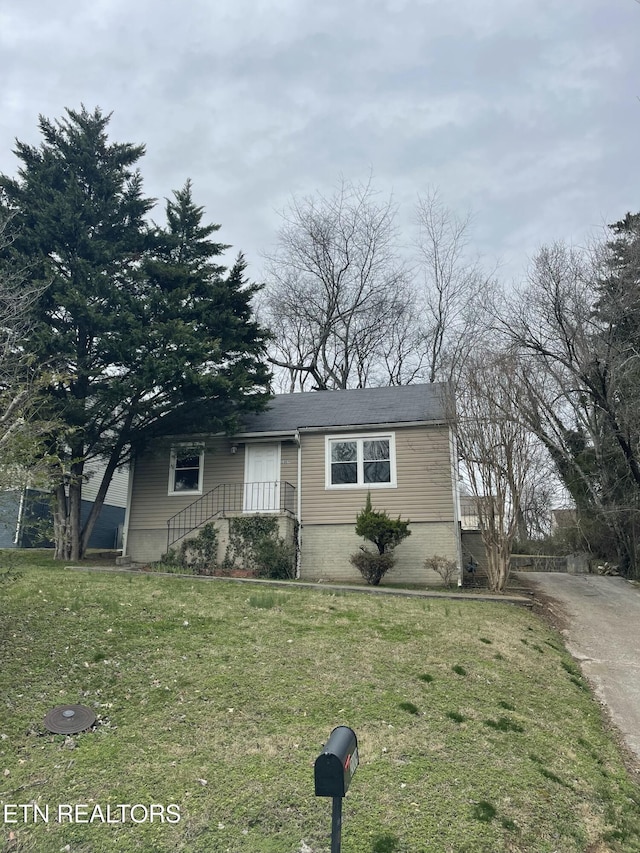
{"x":477,"y":733}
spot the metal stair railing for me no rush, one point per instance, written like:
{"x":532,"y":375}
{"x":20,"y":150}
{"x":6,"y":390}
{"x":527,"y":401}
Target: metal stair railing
{"x":231,"y":497}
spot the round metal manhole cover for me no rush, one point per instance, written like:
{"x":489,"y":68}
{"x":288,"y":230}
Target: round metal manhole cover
{"x":69,"y":719}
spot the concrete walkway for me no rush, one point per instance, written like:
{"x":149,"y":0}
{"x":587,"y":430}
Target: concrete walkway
{"x":601,"y":617}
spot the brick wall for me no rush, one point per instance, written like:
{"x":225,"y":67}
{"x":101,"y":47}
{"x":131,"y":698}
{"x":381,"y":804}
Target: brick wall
{"x":325,"y":551}
{"x":147,"y":546}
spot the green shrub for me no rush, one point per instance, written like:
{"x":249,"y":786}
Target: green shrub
{"x":197,"y":555}
{"x":385,"y":533}
{"x":274,"y":558}
{"x":254,"y":545}
{"x":372,"y":567}
{"x":377,"y":527}
{"x":201,"y":552}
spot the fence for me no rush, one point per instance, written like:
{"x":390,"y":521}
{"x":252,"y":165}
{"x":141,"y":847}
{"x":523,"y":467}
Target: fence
{"x":538,"y":563}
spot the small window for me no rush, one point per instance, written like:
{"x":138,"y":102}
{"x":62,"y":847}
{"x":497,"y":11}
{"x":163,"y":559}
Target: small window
{"x":360,"y":462}
{"x":185,"y":470}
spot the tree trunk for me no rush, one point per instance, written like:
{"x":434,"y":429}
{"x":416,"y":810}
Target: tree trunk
{"x":60,"y":530}
{"x":75,"y":505}
{"x":67,"y":510}
{"x":113,"y":463}
{"x":498,"y":561}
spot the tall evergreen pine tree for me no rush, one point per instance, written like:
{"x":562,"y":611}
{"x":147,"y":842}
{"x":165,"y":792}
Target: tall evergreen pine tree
{"x":140,"y":331}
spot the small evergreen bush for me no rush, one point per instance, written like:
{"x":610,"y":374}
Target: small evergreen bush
{"x":385,"y":533}
{"x":377,"y":527}
{"x":275,"y":559}
{"x":196,"y":556}
{"x":372,"y":567}
{"x":254,"y":545}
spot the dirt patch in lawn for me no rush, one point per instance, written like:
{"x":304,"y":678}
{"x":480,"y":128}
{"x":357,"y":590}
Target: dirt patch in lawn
{"x":545,"y":606}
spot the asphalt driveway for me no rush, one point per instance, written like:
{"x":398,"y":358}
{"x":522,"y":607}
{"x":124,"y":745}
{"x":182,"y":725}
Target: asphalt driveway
{"x":600,"y":620}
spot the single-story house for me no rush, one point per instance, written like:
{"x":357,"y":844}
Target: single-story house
{"x":310,"y":459}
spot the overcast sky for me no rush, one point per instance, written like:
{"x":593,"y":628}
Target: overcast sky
{"x":526,"y":113}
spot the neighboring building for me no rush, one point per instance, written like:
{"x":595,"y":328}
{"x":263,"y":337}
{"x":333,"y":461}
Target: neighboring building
{"x":474,"y":556}
{"x":311,"y":458}
{"x":469,"y":516}
{"x":26,"y":519}
{"x":563,"y":519}
{"x":109,"y":527}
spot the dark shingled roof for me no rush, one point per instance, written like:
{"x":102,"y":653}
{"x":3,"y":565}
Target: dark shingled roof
{"x":390,"y":405}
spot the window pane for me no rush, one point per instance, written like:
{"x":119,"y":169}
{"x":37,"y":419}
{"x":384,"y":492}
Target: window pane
{"x":344,"y":472}
{"x":377,"y":472}
{"x":186,"y":480}
{"x":376,"y":450}
{"x":187,"y":459}
{"x":344,"y":451}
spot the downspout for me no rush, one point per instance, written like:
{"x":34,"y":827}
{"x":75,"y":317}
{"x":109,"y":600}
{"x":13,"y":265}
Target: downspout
{"x":299,"y":505}
{"x":127,"y":513}
{"x":17,"y":538}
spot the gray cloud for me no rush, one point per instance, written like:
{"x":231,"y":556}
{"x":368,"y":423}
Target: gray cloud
{"x":526,"y":113}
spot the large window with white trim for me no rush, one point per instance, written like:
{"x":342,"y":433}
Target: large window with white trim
{"x":360,"y":461}
{"x":185,"y":469}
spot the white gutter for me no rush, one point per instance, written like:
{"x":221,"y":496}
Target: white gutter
{"x":239,"y":436}
{"x":377,"y":426}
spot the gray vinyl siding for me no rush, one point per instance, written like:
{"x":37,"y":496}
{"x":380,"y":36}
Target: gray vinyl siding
{"x":117,"y":491}
{"x":289,"y":463}
{"x":151,"y":505}
{"x":424,"y":491}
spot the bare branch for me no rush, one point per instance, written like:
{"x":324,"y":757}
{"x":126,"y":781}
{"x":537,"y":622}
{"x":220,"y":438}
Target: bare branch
{"x":338,"y":295}
{"x":454,"y":288}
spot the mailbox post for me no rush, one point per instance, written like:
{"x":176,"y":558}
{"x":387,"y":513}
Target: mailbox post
{"x":333,"y":770}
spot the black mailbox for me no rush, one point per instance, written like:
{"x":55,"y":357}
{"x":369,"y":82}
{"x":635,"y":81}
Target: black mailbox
{"x":336,"y":764}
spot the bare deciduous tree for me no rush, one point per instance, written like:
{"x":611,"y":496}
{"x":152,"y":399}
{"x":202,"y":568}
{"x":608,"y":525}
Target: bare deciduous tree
{"x":499,"y":455}
{"x":551,"y":327}
{"x":574,"y":327}
{"x":18,"y":438}
{"x":454,"y":289}
{"x":338,"y":297}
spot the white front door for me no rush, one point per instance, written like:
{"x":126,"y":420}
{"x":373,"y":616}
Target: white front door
{"x":262,"y":478}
